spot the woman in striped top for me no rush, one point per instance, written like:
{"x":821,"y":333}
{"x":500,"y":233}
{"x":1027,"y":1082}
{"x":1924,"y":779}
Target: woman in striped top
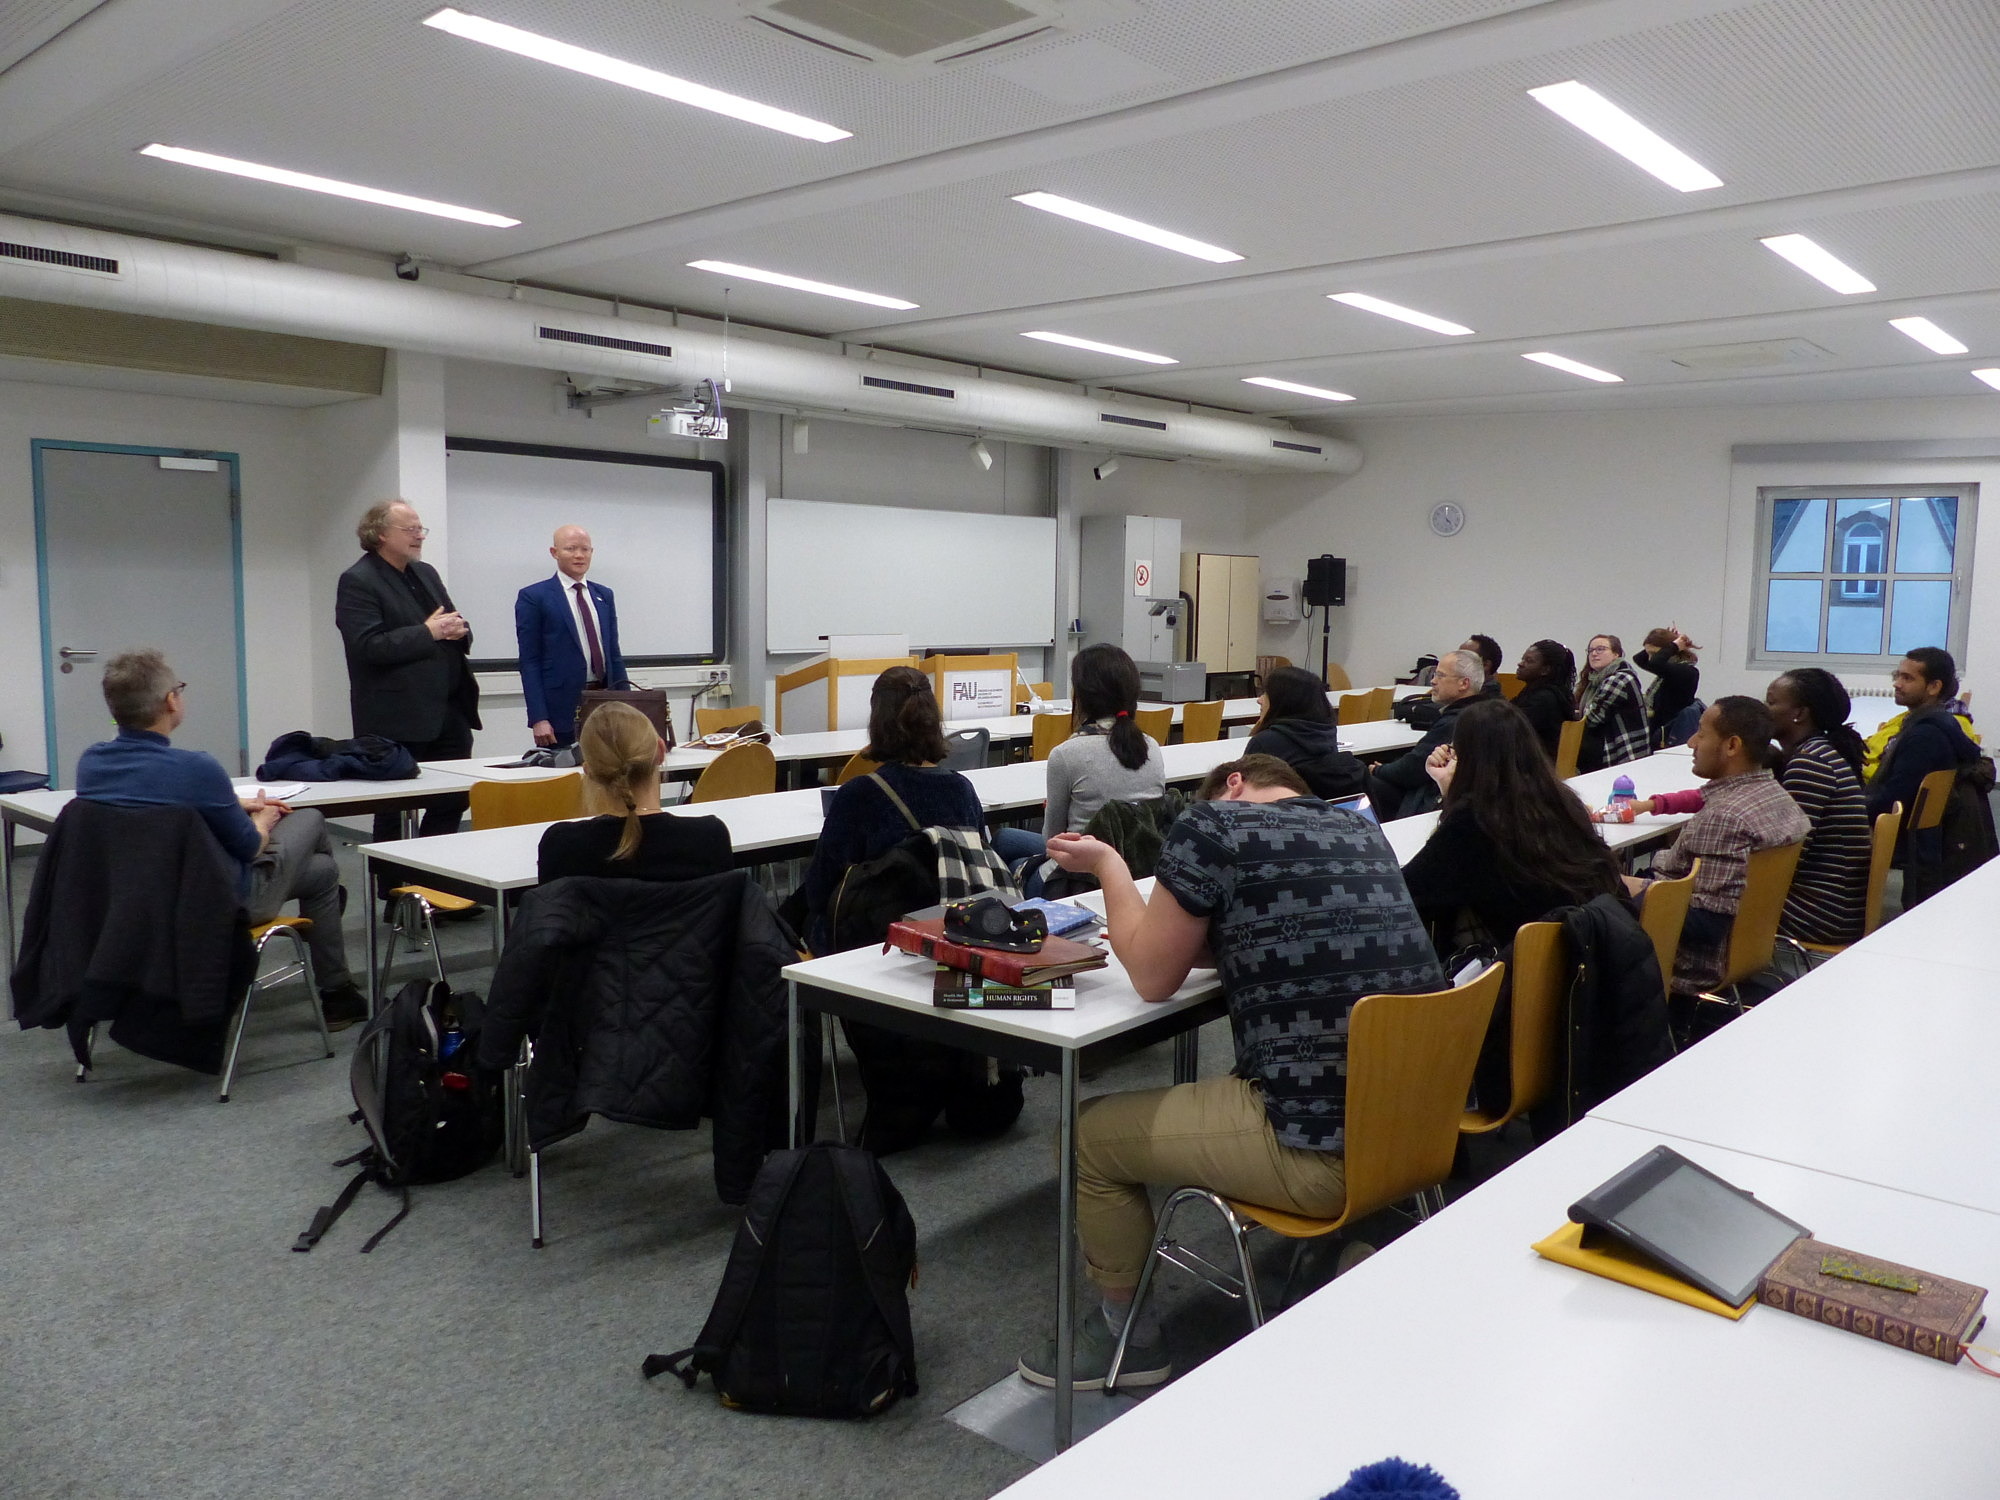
{"x":1821,"y":769}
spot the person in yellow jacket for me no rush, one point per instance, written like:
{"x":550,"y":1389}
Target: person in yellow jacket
{"x":1889,"y":728}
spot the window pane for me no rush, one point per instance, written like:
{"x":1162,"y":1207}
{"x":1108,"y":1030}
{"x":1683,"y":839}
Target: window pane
{"x":1922,"y":614}
{"x":1854,"y":623}
{"x":1861,"y":538}
{"x":1928,"y":535}
{"x":1798,"y":537}
{"x":1791,"y":620}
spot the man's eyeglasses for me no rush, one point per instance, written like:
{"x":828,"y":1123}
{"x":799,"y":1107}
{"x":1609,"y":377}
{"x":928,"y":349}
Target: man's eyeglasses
{"x":419,"y":532}
{"x":179,"y":687}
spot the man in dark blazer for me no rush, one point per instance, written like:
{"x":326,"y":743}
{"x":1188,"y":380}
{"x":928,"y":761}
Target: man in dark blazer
{"x":407,"y":674}
{"x":567,"y":630}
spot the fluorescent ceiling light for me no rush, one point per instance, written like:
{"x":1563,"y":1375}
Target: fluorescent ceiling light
{"x":1401,"y":314}
{"x":285,"y":178}
{"x":1295,"y":388}
{"x":1096,"y":348}
{"x":1100,"y":218}
{"x":800,"y":284}
{"x":646,"y":80}
{"x":1595,"y":115}
{"x":1991,"y":377}
{"x":1588,"y":372}
{"x":1814,"y":261}
{"x":1927,"y":333}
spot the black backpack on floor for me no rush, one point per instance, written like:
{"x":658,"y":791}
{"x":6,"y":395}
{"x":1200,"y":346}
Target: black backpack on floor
{"x":812,"y":1319}
{"x":431,"y":1115}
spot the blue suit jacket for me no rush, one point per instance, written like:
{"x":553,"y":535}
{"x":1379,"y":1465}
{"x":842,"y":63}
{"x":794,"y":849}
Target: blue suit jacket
{"x":552,"y":661}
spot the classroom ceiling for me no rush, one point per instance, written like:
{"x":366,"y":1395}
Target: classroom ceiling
{"x":1380,"y":146}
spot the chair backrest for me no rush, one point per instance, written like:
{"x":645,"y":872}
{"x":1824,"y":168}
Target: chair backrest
{"x":1409,"y":1068}
{"x":1201,"y":721}
{"x":1380,"y":702}
{"x":708,"y":720}
{"x":1266,"y":665}
{"x":1933,"y":792}
{"x":1050,"y":731}
{"x":1337,"y":679}
{"x":1569,"y":745}
{"x":1754,"y":934}
{"x":1158,"y":722}
{"x":1887,"y":827}
{"x":1663,"y":912}
{"x":1354,"y":708}
{"x":507,"y":804}
{"x":858,"y":764}
{"x":965,"y":749}
{"x":1042,"y":690}
{"x":1510,"y":685}
{"x":739,"y":771}
{"x":1540,"y":968}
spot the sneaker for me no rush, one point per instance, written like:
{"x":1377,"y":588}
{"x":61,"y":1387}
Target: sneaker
{"x":1145,"y":1364}
{"x":1351,"y":1255}
{"x":343,"y":1006}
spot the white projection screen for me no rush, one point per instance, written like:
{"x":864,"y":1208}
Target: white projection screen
{"x":658,"y":525}
{"x":941,"y":577}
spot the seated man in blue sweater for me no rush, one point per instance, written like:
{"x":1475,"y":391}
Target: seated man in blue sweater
{"x":1931,"y":739}
{"x":285,"y":855}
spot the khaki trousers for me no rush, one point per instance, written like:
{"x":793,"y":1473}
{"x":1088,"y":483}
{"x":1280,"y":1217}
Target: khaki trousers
{"x":1211,"y":1134}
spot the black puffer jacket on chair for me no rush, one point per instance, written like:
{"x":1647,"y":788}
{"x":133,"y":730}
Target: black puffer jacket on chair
{"x":651,"y":1003}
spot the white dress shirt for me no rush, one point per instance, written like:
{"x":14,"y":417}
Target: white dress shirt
{"x":576,"y":613}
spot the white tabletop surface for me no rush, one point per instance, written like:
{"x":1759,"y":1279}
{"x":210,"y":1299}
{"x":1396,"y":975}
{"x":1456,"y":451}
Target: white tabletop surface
{"x":1520,"y":1379}
{"x":39,"y":809}
{"x":1949,"y":928}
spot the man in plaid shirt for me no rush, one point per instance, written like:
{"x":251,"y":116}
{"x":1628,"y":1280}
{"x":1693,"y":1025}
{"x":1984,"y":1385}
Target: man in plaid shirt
{"x":1743,"y":810}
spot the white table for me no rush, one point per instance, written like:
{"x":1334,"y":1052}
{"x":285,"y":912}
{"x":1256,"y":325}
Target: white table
{"x":1110,"y":1020}
{"x":1519,"y":1379}
{"x":1949,"y":928}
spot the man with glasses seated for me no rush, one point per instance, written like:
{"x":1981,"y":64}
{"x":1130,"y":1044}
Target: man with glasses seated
{"x":284,"y":855}
{"x":1403,"y":788}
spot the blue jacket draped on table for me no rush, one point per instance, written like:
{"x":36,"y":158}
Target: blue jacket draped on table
{"x":554,"y":669}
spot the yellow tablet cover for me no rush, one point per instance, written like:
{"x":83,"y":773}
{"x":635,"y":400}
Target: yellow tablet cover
{"x":1618,"y":1262}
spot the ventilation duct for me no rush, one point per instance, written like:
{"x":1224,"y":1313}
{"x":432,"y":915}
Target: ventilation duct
{"x":165,"y":280}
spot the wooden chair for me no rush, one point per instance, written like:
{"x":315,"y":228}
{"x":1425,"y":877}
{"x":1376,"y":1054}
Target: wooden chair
{"x":1266,"y":665}
{"x":1158,"y":722}
{"x":1541,"y":968}
{"x":294,"y":929}
{"x":1510,"y":685}
{"x":1380,"y":702}
{"x":1569,"y":744}
{"x":1042,"y":690}
{"x":1882,"y":849}
{"x":1663,"y":912}
{"x":1753,"y":936}
{"x":739,"y":771}
{"x":1353,"y":708}
{"x":858,"y":764}
{"x":708,"y":720}
{"x":1933,"y":792}
{"x":1201,"y":722}
{"x":1050,"y":731}
{"x":1409,"y":1067}
{"x":1337,"y":679}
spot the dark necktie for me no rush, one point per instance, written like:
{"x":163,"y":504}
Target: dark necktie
{"x":596,"y":649}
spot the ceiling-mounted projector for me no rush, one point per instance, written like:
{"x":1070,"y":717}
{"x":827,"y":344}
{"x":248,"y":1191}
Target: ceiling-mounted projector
{"x":699,"y":417}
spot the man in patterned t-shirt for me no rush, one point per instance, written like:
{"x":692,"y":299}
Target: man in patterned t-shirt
{"x":1304,"y":911}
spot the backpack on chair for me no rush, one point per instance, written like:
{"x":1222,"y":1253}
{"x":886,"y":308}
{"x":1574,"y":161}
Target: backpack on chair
{"x":813,"y":1317}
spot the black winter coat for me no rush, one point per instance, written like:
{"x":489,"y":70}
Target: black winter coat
{"x":1313,"y":750}
{"x":304,"y":756}
{"x":651,"y":1003}
{"x":1614,"y":1012}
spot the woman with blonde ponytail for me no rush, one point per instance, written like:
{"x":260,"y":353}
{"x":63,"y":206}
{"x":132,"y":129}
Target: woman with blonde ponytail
{"x":627,"y":836}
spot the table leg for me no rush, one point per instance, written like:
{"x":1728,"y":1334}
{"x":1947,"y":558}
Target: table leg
{"x":7,"y":885}
{"x":374,"y":919}
{"x":792,"y":1062}
{"x":1066,"y":1256}
{"x":1187,"y":1055}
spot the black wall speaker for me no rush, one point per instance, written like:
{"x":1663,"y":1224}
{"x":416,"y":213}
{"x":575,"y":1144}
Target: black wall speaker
{"x":1326,"y":581}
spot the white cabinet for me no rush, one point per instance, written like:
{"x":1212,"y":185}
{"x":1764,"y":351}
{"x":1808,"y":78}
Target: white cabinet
{"x":1228,"y":594}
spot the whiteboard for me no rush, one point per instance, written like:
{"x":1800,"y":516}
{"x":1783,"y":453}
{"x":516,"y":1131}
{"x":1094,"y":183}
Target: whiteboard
{"x":941,"y":577}
{"x":656,"y":524}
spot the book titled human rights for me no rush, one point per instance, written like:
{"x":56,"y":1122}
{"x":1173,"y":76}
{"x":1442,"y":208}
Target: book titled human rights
{"x":1878,"y":1299}
{"x":1056,"y":957}
{"x":954,"y":989}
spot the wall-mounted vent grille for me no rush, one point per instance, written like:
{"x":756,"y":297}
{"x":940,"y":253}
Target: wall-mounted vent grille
{"x":602,"y":341}
{"x":910,"y":388}
{"x":1295,"y":447}
{"x":1116,"y":420}
{"x":68,"y":260}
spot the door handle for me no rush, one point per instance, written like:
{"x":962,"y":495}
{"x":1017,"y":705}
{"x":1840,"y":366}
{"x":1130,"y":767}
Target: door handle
{"x":75,"y":653}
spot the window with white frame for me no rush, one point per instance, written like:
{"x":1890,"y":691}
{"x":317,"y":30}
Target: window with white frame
{"x":1859,"y":576}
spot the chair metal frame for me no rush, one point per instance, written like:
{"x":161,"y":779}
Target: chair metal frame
{"x":300,"y":967}
{"x":1767,"y":881}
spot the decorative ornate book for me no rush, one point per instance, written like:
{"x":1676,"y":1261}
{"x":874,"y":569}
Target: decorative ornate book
{"x":1878,"y":1299}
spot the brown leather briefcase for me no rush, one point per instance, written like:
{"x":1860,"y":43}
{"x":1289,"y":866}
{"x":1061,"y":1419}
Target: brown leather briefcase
{"x":652,"y":702}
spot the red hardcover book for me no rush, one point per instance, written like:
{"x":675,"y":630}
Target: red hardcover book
{"x":1877,"y":1299}
{"x":1056,"y":957}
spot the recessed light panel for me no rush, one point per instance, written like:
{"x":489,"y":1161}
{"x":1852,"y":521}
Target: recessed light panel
{"x":1816,"y":262}
{"x":284,"y":177}
{"x":1100,"y":218}
{"x":1595,"y":115}
{"x":1271,"y":383}
{"x":631,"y":75}
{"x":1927,"y":333}
{"x":800,"y":284}
{"x":1573,"y":367}
{"x":1401,"y":314}
{"x":1991,"y":377}
{"x":1070,"y":340}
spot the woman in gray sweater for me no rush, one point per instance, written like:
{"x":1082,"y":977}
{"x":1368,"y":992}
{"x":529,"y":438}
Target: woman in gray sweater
{"x":1108,"y":759}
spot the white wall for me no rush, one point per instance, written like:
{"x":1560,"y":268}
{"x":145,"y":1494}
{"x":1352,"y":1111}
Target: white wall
{"x":1580,"y":523}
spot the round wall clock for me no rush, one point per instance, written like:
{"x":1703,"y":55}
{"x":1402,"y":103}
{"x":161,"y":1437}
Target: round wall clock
{"x":1447,"y":518}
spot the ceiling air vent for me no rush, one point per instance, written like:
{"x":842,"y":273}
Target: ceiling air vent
{"x":1295,"y":447}
{"x":65,"y":260}
{"x":601,"y":341}
{"x":909,"y":388}
{"x":1767,"y":354}
{"x":1113,"y":417}
{"x":902,"y":30}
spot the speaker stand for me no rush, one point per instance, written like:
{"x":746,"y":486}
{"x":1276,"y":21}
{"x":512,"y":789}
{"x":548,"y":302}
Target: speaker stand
{"x":1325,"y":639}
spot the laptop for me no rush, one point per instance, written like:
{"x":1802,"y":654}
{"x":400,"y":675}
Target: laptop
{"x":1359,"y":805}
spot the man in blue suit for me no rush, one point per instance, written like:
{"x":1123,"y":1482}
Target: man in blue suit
{"x":567,"y":630}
